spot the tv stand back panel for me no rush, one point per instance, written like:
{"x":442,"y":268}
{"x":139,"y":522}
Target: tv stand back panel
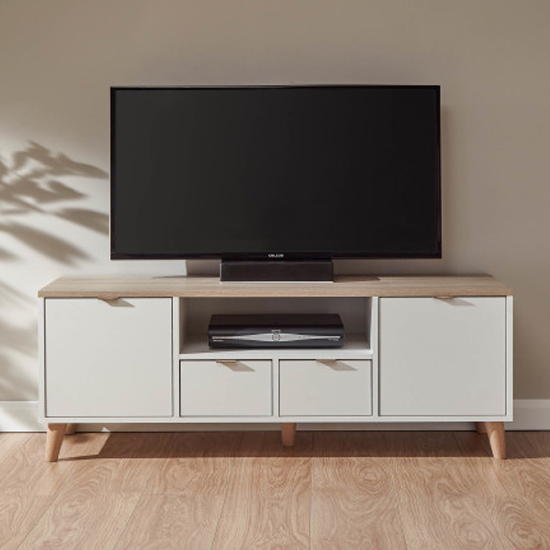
{"x":125,"y":349}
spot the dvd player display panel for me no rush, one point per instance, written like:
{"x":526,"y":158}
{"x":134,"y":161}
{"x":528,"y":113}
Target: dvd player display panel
{"x":276,"y":331}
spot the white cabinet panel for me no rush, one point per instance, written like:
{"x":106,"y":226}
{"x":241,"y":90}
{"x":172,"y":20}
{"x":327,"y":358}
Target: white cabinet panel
{"x":230,"y":388}
{"x":325,"y":388}
{"x":108,"y":359}
{"x":442,"y":357}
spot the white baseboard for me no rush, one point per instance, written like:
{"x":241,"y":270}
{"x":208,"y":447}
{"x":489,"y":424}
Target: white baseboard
{"x":19,"y":416}
{"x":22,"y":416}
{"x":530,"y":414}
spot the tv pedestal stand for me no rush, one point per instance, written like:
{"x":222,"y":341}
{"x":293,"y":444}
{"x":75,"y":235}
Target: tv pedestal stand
{"x":134,"y":349}
{"x":273,"y":271}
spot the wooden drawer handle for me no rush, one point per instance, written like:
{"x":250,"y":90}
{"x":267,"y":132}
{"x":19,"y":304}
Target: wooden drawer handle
{"x":108,"y":298}
{"x":337,"y":364}
{"x":444,"y":297}
{"x":235,"y":365}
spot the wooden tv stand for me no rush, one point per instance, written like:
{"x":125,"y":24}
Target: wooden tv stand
{"x":129,"y":349}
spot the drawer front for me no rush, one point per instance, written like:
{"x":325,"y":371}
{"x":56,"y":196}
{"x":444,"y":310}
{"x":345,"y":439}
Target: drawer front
{"x":226,"y":388}
{"x":443,"y":357}
{"x":325,"y":388}
{"x":108,"y":359}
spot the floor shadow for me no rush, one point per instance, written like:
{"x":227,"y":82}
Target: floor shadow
{"x":267,"y":444}
{"x":528,"y":445}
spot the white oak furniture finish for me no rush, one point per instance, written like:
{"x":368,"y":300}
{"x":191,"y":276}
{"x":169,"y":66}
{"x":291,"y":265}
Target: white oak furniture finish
{"x":120,"y":349}
{"x":288,"y":433}
{"x":325,"y":388}
{"x":496,"y":438}
{"x":54,"y":439}
{"x":226,"y":388}
{"x":71,"y":429}
{"x":117,"y":286}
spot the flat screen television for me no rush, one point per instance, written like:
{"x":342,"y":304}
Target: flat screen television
{"x":275,"y":173}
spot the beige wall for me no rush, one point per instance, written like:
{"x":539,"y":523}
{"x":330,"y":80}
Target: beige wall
{"x":58,"y":59}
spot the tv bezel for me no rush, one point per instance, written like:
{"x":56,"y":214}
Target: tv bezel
{"x":280,"y":255}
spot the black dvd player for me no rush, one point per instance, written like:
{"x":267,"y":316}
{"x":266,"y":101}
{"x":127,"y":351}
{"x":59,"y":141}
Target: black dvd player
{"x":276,"y":331}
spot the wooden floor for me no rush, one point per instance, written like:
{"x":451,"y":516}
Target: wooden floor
{"x":224,"y":491}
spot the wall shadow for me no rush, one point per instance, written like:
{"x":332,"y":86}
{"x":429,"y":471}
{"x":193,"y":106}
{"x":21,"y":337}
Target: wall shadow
{"x":37,"y":186}
{"x":29,"y":183}
{"x":45,"y":243}
{"x":16,"y":341}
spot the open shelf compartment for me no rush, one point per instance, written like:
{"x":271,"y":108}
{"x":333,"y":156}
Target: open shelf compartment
{"x":355,"y":313}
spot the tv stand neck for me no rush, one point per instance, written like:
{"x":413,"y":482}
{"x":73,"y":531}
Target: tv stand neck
{"x":270,"y":271}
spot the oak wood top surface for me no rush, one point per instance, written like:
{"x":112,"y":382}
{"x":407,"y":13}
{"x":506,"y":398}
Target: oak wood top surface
{"x":118,"y":286}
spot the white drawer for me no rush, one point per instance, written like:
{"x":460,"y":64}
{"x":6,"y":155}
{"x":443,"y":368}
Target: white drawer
{"x":325,"y":388}
{"x":230,"y":388}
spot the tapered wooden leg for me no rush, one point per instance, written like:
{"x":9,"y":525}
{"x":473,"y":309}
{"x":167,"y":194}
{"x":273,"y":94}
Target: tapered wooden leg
{"x":480,"y":428}
{"x":288,"y":432}
{"x":71,"y":429}
{"x":54,"y":439}
{"x":495,"y":433}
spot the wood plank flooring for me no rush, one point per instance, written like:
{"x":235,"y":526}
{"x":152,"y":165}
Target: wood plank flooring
{"x":225,"y":491}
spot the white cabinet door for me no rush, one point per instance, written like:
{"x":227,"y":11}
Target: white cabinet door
{"x":325,"y":388}
{"x":226,"y":388}
{"x":108,"y":359}
{"x":442,"y":357}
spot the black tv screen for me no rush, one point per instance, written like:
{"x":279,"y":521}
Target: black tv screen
{"x":293,"y":172}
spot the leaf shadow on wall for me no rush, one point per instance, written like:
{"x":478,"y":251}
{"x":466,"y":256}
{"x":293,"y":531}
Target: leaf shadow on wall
{"x":15,"y":340}
{"x":37,"y":187}
{"x":30,"y":183}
